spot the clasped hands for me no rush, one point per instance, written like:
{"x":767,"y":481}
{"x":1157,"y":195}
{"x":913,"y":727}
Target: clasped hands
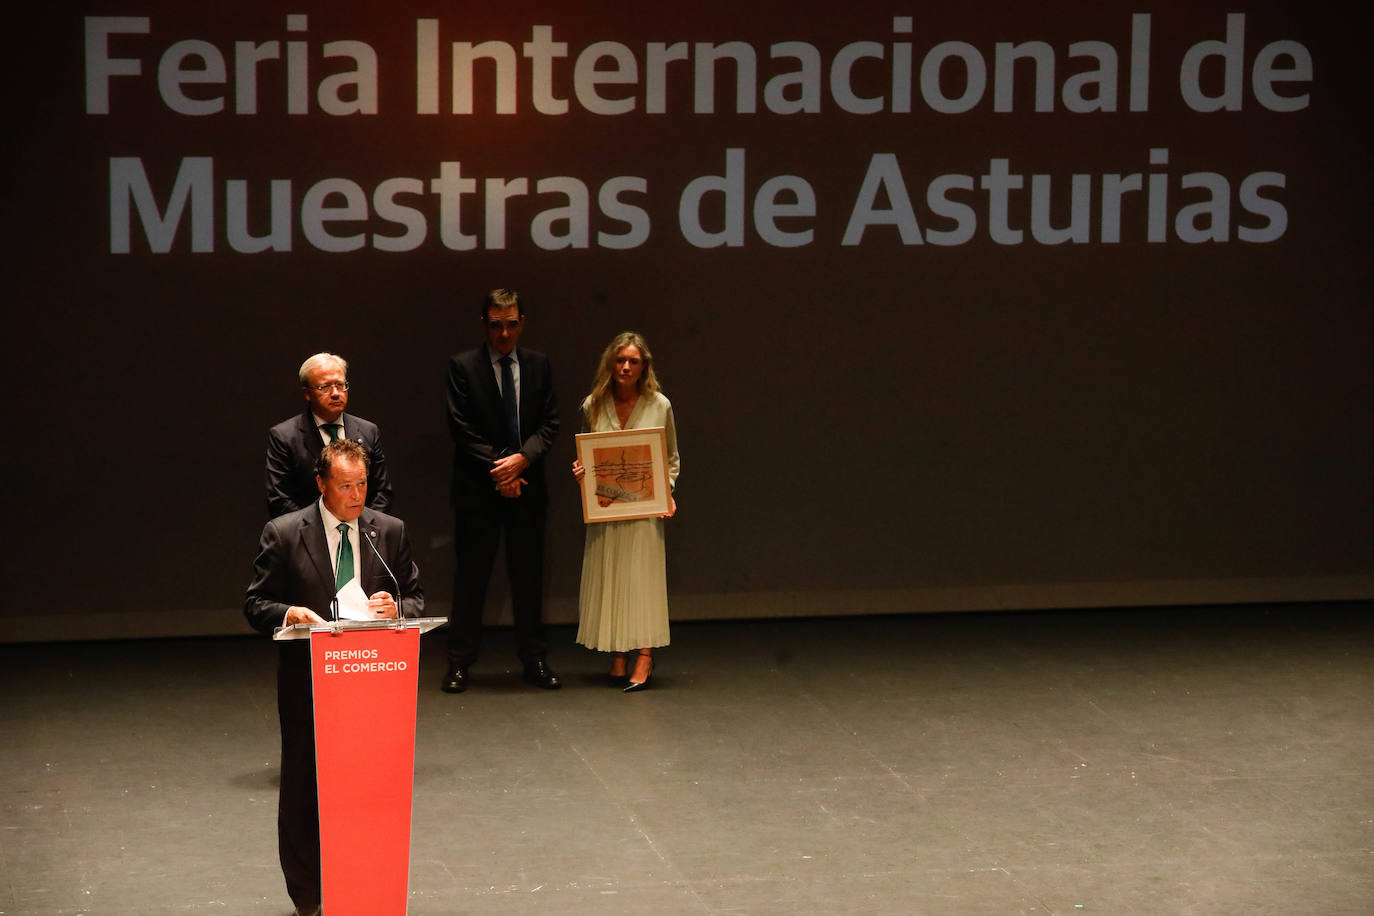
{"x":505,"y":473}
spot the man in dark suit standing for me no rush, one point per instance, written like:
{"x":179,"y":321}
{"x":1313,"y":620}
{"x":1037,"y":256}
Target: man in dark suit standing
{"x":503,"y":417}
{"x":304,"y":559}
{"x":293,"y":445}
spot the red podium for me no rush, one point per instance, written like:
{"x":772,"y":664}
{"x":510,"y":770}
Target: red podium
{"x":364,"y":675}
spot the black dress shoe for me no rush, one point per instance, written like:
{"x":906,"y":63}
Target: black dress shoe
{"x":541,"y":675}
{"x":456,"y":680}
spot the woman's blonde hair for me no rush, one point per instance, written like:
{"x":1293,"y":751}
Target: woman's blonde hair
{"x":601,"y":383}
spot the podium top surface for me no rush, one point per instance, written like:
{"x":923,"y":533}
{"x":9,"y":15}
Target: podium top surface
{"x":303,"y":630}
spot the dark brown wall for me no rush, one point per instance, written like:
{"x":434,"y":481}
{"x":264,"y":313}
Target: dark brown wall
{"x":879,"y":426}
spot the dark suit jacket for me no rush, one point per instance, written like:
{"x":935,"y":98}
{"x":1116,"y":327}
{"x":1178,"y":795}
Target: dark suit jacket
{"x":294,"y":445}
{"x":478,"y":426}
{"x":293,"y":567}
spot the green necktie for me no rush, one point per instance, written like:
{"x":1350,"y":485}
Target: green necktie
{"x":345,"y":567}
{"x":333,"y":431}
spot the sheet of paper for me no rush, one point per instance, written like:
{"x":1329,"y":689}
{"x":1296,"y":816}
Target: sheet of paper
{"x":353,"y":603}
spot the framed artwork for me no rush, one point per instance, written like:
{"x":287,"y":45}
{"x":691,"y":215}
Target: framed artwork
{"x":627,"y":474}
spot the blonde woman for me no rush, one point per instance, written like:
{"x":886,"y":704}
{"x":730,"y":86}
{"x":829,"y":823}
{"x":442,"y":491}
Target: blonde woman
{"x":624,"y":597}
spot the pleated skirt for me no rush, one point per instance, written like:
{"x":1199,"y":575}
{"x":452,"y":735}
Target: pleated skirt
{"x":624,"y":598}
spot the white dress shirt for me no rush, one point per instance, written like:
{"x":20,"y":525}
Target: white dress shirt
{"x":332,"y":538}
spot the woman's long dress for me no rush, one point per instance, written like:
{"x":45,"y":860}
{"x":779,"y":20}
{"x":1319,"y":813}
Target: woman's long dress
{"x":624,"y":598}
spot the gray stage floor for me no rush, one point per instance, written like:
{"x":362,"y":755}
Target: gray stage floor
{"x":1148,"y":761}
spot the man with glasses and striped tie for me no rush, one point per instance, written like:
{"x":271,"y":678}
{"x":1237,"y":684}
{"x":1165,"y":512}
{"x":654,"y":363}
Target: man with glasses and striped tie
{"x":294,"y":445}
{"x":503,"y":417}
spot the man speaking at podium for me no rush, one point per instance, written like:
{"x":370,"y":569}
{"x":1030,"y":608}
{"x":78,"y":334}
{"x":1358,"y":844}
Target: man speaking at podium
{"x":334,"y":559}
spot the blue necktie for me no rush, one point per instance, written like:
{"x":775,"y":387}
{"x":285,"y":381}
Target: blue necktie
{"x":508,"y":402}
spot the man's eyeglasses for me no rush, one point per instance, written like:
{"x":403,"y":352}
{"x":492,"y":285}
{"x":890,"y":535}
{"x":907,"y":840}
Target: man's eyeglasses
{"x":329,"y":386}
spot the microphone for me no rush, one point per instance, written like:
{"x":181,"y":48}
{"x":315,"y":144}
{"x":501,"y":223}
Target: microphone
{"x":395,"y":583}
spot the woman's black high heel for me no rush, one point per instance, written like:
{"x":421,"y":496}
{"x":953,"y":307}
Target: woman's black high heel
{"x":619,"y":680}
{"x":631,"y":686}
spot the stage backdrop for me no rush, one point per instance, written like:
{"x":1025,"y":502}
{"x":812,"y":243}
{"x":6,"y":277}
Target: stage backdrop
{"x":960,"y":306}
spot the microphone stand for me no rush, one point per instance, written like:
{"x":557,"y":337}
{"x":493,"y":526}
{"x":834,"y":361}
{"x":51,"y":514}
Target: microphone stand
{"x":371,"y":534}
